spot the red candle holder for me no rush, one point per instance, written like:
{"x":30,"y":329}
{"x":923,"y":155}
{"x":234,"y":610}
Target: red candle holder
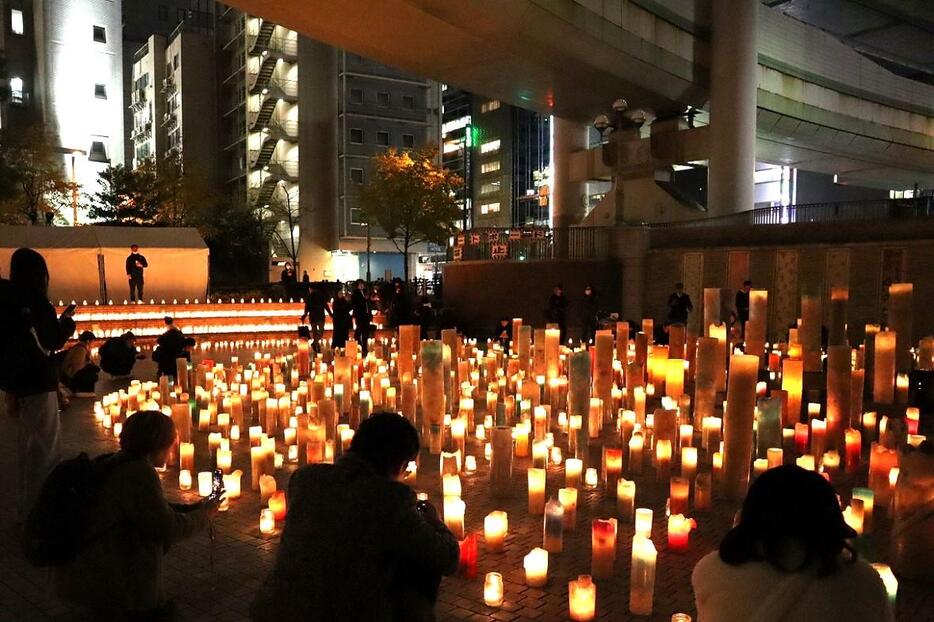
{"x":468,"y":557}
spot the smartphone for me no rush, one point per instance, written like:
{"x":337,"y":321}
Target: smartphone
{"x":217,"y":486}
{"x":70,"y":309}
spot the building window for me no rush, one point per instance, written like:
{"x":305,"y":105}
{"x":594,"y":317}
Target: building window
{"x":382,"y":98}
{"x":16,"y":21}
{"x":490,"y":188}
{"x":356,"y":136}
{"x":489,"y":208}
{"x":490,"y":106}
{"x":490,"y":146}
{"x":408,"y":102}
{"x":356,"y":175}
{"x":382,"y":139}
{"x":17,"y":95}
{"x":100,"y":34}
{"x":356,"y":96}
{"x":175,"y":62}
{"x":97,"y":153}
{"x":100,"y":91}
{"x":490,"y":167}
{"x":356,"y":216}
{"x":408,"y":141}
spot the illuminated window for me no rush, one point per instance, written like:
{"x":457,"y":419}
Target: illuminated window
{"x":490,"y":188}
{"x":490,"y":146}
{"x":490,"y":167}
{"x":16,"y":21}
{"x":100,"y":91}
{"x":408,"y":102}
{"x":356,"y":136}
{"x":490,"y":106}
{"x":382,"y":139}
{"x":100,"y":34}
{"x":489,"y":208}
{"x":17,"y":95}
{"x":382,"y":98}
{"x":450,"y":146}
{"x":356,"y":175}
{"x":356,"y":96}
{"x":356,"y":216}
{"x":408,"y":141}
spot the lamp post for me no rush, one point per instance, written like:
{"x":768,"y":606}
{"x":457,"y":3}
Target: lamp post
{"x":74,"y":186}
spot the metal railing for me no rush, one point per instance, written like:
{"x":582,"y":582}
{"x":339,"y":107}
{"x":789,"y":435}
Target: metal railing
{"x":529,"y":243}
{"x":882,"y":209}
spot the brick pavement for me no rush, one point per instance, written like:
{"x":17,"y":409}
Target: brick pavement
{"x":242,"y":556}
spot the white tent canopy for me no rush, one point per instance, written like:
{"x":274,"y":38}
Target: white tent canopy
{"x":88,"y":263}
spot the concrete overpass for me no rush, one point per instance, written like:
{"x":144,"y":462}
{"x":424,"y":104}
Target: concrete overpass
{"x":820,"y":104}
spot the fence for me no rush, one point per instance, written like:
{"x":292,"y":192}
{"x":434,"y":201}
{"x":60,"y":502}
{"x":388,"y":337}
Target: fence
{"x":882,"y":209}
{"x":521,"y":244}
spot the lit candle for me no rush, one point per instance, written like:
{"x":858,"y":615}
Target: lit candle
{"x":635,"y":452}
{"x":501,"y":461}
{"x":738,"y":423}
{"x":831,"y":461}
{"x":554,"y":526}
{"x":539,"y":454}
{"x":232,"y":485}
{"x":451,"y":485}
{"x":853,"y":515}
{"x":663,"y":460}
{"x":184,"y":479}
{"x":688,"y":463}
{"x":277,"y":504}
{"x":801,"y":438}
{"x":267,"y":522}
{"x":775,"y":457}
{"x":889,"y":581}
{"x":818,"y":438}
{"x":868,"y":499}
{"x":224,"y":460}
{"x":495,"y":527}
{"x":612,"y":467}
{"x":644,"y":522}
{"x":680,"y":489}
{"x":679,"y":530}
{"x":582,"y":598}
{"x":625,"y":499}
{"x":572,"y":472}
{"x":759,"y":466}
{"x":493,"y":589}
{"x":536,"y":567}
{"x":536,"y":480}
{"x":568,"y":499}
{"x":806,"y":462}
{"x":205,"y":481}
{"x":267,"y":486}
{"x":603,"y":547}
{"x":590,"y":479}
{"x":642,"y":576}
{"x":454,"y":509}
{"x":186,"y":456}
{"x":470,"y":464}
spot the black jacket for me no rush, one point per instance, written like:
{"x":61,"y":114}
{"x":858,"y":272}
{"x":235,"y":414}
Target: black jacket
{"x":171,"y":346}
{"x":33,"y":333}
{"x":361,"y":307}
{"x":132,"y":269}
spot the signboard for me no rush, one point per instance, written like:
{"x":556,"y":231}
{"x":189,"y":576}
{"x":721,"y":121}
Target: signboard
{"x":499,"y":251}
{"x":458,"y":253}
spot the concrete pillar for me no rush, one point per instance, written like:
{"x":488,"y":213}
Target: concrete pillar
{"x":632,"y":245}
{"x":568,"y":205}
{"x":733,"y":77}
{"x":317,"y":155}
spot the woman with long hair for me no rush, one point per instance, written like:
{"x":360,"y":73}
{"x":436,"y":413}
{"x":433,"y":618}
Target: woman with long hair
{"x":789,"y":559}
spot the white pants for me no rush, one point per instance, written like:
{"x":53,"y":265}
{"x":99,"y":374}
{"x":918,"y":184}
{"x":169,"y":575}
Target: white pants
{"x":39,"y":444}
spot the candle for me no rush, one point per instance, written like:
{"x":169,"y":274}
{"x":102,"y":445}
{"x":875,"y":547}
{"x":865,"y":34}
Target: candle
{"x":662,"y":459}
{"x":536,"y":480}
{"x":603,"y":547}
{"x":224,"y":460}
{"x":805,"y":462}
{"x":493,"y":589}
{"x":454,"y":509}
{"x":612,"y":467}
{"x":853,"y":515}
{"x":703,"y":492}
{"x":759,"y":466}
{"x":554,"y":526}
{"x":267,"y":486}
{"x":277,"y":504}
{"x":267,"y":522}
{"x":451,"y":485}
{"x":889,"y":581}
{"x":801,"y":438}
{"x":501,"y":461}
{"x":831,"y":461}
{"x":184,"y":479}
{"x":582,"y":598}
{"x":679,"y":531}
{"x":590,"y":479}
{"x":568,"y":499}
{"x":539,"y":454}
{"x":867,"y":498}
{"x":775,"y":457}
{"x":635,"y":452}
{"x":644,"y":522}
{"x":186,"y":456}
{"x":232,"y":485}
{"x":536,"y":567}
{"x":792,"y":384}
{"x":642,"y":576}
{"x":257,"y":465}
{"x":205,"y":481}
{"x":495,"y":527}
{"x":881,"y":461}
{"x":625,"y":499}
{"x":883,"y":380}
{"x":818,"y":438}
{"x":738,"y":420}
{"x":470,"y":464}
{"x":680,"y":489}
{"x":572,"y":472}
{"x":688,"y":463}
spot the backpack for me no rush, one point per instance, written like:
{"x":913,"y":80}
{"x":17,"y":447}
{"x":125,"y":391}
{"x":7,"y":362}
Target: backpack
{"x":56,"y":528}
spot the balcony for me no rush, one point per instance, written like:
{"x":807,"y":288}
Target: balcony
{"x":138,"y":99}
{"x":169,"y":119}
{"x":168,"y":85}
{"x":142,"y":132}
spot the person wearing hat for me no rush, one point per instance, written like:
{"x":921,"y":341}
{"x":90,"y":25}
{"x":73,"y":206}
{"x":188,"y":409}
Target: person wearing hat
{"x":79,"y":373}
{"x":118,"y":355}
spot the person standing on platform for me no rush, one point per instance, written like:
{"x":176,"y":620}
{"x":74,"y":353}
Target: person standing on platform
{"x":29,"y":370}
{"x":589,"y":312}
{"x":742,"y":306}
{"x":679,"y":305}
{"x":135,"y":264}
{"x":316,"y":306}
{"x":360,"y":302}
{"x":557,"y":312}
{"x":288,"y":279}
{"x":340,"y":319}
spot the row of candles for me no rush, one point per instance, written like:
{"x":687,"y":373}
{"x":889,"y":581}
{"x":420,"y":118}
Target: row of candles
{"x":533,"y":402}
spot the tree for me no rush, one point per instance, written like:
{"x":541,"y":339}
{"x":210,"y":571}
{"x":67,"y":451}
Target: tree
{"x":281,"y":219}
{"x":235,"y":236}
{"x":127,"y":196}
{"x":411,"y":198}
{"x":183,"y":193}
{"x":32,"y":176}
